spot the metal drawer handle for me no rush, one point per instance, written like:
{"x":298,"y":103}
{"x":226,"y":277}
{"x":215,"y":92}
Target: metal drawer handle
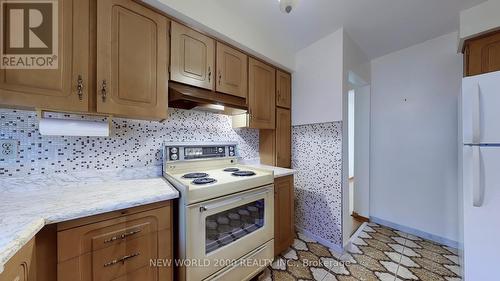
{"x":121,"y":260}
{"x":209,"y":74}
{"x":104,"y":90}
{"x":123,"y":236}
{"x":79,"y":87}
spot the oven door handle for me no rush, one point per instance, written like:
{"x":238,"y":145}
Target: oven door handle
{"x":209,"y":207}
{"x":220,"y":204}
{"x":255,"y":194}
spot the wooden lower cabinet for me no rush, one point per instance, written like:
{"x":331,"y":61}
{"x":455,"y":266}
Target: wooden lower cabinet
{"x":119,"y":248}
{"x":21,"y":267}
{"x":482,"y":54}
{"x":284,"y":223}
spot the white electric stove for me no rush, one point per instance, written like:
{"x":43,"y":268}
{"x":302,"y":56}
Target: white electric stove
{"x":225,"y":212}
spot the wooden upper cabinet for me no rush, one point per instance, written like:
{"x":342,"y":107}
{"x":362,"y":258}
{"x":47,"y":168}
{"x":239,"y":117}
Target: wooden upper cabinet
{"x":56,"y":89}
{"x":482,"y":55}
{"x":232,"y":71}
{"x":192,"y":57}
{"x":283,"y":89}
{"x":132,"y":60}
{"x":261,"y":94}
{"x":283,"y":138}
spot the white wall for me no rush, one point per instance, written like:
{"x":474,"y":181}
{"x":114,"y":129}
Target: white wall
{"x":355,"y":73}
{"x":414,"y":137}
{"x":351,"y":129}
{"x":317,"y":82}
{"x":212,"y":17}
{"x":362,"y":151}
{"x":479,"y":19}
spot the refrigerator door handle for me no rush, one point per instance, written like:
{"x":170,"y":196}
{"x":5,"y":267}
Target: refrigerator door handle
{"x":476,"y":114}
{"x":477,"y":200}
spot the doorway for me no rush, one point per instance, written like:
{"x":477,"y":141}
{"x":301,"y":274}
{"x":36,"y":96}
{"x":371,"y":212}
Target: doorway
{"x":358,"y":146}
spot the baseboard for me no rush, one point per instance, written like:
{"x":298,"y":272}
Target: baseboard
{"x":416,"y":232}
{"x":360,"y":218}
{"x":338,"y":249}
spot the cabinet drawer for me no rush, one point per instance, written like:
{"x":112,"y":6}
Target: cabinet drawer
{"x":129,"y":260}
{"x":93,"y":237}
{"x":248,"y":266}
{"x":118,"y":260}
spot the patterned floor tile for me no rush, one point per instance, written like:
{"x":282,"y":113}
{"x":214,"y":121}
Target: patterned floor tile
{"x":378,"y":253}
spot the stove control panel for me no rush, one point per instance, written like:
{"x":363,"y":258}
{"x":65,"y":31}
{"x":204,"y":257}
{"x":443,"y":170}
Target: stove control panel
{"x":176,"y":152}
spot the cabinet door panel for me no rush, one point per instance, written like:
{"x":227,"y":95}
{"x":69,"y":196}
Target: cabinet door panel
{"x":56,"y":89}
{"x":21,"y":267}
{"x":491,"y":57}
{"x":192,"y":57}
{"x":261,"y":95}
{"x":283,"y":89}
{"x":482,"y":55}
{"x":232,"y":71}
{"x":132,"y":60}
{"x":284,"y":228}
{"x":283,"y":137}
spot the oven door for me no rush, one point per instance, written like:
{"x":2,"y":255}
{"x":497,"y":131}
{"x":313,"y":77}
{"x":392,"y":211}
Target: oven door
{"x":224,"y":229}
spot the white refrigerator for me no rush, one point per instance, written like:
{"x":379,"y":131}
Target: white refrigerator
{"x":480,"y":114}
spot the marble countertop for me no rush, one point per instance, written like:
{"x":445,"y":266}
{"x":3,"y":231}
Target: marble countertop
{"x":278,"y":171}
{"x":28,"y":204}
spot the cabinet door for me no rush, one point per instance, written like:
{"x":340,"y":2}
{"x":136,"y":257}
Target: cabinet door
{"x":120,"y":248}
{"x":482,"y":55}
{"x":284,"y":230}
{"x":283,"y":89}
{"x":21,"y":266}
{"x":192,"y":57}
{"x":132,"y":60}
{"x":283,"y":137}
{"x":261,"y":94}
{"x":232,"y":69}
{"x":56,"y":89}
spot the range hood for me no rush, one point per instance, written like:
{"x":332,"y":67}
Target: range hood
{"x":189,"y":97}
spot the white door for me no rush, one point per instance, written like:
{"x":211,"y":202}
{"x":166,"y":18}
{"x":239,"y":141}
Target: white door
{"x":481,"y":181}
{"x":481,"y":109}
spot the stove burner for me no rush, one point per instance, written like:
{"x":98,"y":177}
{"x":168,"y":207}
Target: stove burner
{"x":203,"y":181}
{"x":231,"y":170}
{"x":195,"y":175}
{"x":243,"y":173}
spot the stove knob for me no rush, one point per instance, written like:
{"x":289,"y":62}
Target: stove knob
{"x":231,"y":148}
{"x":173,"y":150}
{"x":231,"y":153}
{"x":221,"y":150}
{"x":173,"y":156}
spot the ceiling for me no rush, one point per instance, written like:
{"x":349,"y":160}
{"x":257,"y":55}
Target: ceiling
{"x":379,"y":27}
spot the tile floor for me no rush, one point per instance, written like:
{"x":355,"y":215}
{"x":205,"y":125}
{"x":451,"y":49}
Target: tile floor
{"x":378,"y":253}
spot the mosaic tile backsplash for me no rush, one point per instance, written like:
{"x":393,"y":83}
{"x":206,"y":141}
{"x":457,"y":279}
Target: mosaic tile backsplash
{"x":132,"y":144}
{"x":317,"y":158}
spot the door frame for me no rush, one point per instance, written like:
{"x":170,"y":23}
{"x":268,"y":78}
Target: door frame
{"x":354,"y":82}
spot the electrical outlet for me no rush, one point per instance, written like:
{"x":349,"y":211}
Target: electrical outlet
{"x":8,"y":149}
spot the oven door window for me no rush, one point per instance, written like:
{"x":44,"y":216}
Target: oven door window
{"x":226,"y":227}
